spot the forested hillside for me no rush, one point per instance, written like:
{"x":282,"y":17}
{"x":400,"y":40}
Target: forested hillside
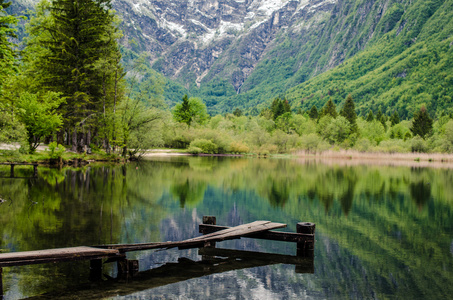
{"x":410,"y":65}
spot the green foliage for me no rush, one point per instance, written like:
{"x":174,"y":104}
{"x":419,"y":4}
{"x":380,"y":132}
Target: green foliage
{"x":56,"y":150}
{"x":7,"y":48}
{"x":329,"y":109}
{"x":190,"y":110}
{"x":418,"y":144}
{"x":313,"y":114}
{"x":206,"y":146}
{"x":370,"y":116}
{"x":39,"y":115}
{"x":349,"y":113}
{"x":422,"y":124}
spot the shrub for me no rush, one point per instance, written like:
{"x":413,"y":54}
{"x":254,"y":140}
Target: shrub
{"x":56,"y":150}
{"x":238,"y":147}
{"x":418,"y":144}
{"x":206,"y":146}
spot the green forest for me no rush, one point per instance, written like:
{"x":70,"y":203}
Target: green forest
{"x":65,"y":84}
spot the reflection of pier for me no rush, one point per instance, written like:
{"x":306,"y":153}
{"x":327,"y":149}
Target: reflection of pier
{"x":214,"y":261}
{"x":185,"y":269}
{"x":35,"y":168}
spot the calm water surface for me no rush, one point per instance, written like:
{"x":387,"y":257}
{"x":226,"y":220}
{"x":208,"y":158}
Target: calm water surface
{"x":381,"y":232}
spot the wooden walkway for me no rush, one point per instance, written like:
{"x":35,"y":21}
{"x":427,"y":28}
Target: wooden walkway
{"x":116,"y":253}
{"x":35,"y":168}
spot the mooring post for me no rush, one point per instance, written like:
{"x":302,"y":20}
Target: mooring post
{"x":35,"y":170}
{"x":12,"y":170}
{"x":307,"y":247}
{"x":210,"y":220}
{"x":95,"y":270}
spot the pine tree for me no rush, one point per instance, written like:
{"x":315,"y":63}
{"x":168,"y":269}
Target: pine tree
{"x":329,"y":109}
{"x":278,"y":107}
{"x":422,"y":124}
{"x":370,"y":116}
{"x":7,"y":52}
{"x":349,"y":113}
{"x":78,"y":57}
{"x":313,"y":114}
{"x":395,"y":119}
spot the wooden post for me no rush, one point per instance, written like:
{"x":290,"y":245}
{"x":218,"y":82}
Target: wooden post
{"x":1,"y":284}
{"x":127,"y":267}
{"x":12,"y":170}
{"x":35,"y":170}
{"x":96,"y":270}
{"x":306,"y":248}
{"x":210,"y":220}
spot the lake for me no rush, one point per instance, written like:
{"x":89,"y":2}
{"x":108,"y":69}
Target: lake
{"x":382,"y":232}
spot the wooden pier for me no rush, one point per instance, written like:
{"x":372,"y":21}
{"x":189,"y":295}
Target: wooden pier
{"x":304,"y":238}
{"x":35,"y":167}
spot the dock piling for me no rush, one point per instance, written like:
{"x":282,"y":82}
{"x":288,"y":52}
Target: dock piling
{"x":307,"y":247}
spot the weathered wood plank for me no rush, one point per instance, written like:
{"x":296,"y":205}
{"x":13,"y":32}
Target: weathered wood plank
{"x":54,"y":255}
{"x":266,"y":235}
{"x":226,"y":234}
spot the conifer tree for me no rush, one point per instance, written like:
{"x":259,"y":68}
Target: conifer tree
{"x":313,"y":114}
{"x":422,"y":124}
{"x":395,"y":119}
{"x":370,"y":116}
{"x":329,"y":109}
{"x":78,"y":56}
{"x":349,"y":113}
{"x":7,"y":52}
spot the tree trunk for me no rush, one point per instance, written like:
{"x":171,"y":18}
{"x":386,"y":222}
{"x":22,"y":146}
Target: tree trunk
{"x":74,"y":140}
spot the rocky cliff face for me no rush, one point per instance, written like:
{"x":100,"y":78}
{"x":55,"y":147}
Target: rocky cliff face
{"x":197,"y":40}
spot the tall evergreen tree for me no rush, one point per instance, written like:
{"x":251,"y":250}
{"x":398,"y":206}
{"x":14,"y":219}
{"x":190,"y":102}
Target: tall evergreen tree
{"x":349,"y":113}
{"x":78,"y":57}
{"x":329,"y":109}
{"x":7,"y":52}
{"x":313,"y":114}
{"x":395,"y":118}
{"x":370,"y":116}
{"x":422,"y":124}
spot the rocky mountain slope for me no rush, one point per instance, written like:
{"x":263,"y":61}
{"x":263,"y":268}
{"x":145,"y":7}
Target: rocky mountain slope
{"x":242,"y":53}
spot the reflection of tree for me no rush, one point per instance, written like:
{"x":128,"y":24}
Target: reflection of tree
{"x":347,"y":198}
{"x":278,"y":194}
{"x":188,"y":193}
{"x":420,"y":193}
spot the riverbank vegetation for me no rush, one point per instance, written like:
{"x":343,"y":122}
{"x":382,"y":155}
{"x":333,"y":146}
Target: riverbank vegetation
{"x":70,"y":88}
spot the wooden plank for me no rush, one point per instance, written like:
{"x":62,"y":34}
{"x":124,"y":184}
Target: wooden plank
{"x":54,"y":255}
{"x":266,"y":235}
{"x":226,"y":234}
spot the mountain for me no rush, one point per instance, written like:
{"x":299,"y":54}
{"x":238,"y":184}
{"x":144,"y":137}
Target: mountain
{"x":393,"y":54}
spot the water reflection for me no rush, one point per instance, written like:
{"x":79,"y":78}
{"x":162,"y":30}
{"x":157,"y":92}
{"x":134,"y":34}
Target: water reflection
{"x":383,"y":232}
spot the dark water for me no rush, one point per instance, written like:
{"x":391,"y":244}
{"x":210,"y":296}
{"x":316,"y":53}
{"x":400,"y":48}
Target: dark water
{"x":381,"y":232}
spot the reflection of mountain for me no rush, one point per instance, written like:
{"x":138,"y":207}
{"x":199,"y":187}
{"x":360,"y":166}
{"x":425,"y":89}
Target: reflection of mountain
{"x":385,"y":248}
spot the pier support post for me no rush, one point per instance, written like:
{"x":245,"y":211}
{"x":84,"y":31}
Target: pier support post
{"x":1,"y":284}
{"x":95,"y":269}
{"x":306,"y":248}
{"x":35,"y":170}
{"x":210,"y":220}
{"x":12,"y":170}
{"x":127,"y":267}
